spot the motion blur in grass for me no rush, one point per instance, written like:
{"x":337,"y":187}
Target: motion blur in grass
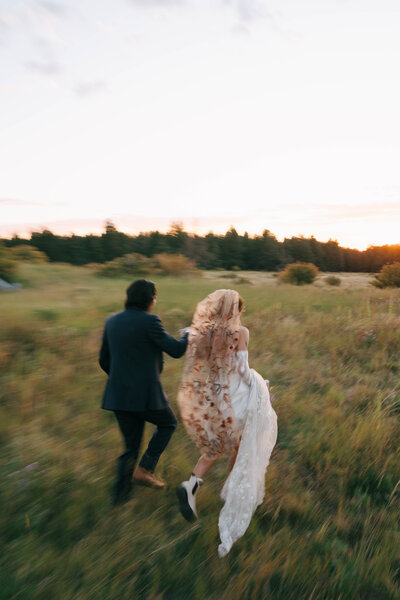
{"x":328,"y":528}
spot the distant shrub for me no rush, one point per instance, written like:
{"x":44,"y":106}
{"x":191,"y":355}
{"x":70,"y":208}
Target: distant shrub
{"x":244,"y":281}
{"x":129,"y":264}
{"x":299,"y":273}
{"x":174,"y":264}
{"x":8,"y":266}
{"x":109,"y":269}
{"x":332,"y":280}
{"x":389,"y":276}
{"x":236,"y":268}
{"x":137,"y":264}
{"x":23,"y":252}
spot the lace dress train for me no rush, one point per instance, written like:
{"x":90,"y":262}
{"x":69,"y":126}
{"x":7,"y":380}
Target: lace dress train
{"x":244,"y":488}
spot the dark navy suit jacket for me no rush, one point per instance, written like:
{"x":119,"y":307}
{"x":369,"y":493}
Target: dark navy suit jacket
{"x":131,"y":355}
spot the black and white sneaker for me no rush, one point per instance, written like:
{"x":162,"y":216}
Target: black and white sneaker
{"x":186,"y":496}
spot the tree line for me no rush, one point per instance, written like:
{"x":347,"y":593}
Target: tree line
{"x":211,"y":251}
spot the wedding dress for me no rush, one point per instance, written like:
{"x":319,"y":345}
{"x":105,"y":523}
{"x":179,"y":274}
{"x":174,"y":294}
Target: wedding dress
{"x":243,"y":490}
{"x":225,"y":406}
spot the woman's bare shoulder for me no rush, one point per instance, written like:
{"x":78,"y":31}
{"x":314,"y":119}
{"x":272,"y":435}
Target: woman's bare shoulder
{"x":244,"y":336}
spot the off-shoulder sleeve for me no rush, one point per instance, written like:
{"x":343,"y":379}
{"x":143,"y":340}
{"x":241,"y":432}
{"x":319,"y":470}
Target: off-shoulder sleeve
{"x":243,"y":368}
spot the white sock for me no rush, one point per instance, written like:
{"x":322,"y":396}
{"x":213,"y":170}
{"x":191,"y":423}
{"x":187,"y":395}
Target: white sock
{"x":194,"y":483}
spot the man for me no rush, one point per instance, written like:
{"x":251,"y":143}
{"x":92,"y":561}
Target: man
{"x":131,"y":355}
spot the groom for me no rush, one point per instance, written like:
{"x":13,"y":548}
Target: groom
{"x":131,"y":355}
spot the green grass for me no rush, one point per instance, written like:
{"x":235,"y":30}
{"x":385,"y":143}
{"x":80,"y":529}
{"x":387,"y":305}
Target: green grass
{"x":328,"y":528}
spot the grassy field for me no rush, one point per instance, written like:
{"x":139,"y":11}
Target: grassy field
{"x":328,"y":528}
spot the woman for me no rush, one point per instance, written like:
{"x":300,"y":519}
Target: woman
{"x":225,"y":407}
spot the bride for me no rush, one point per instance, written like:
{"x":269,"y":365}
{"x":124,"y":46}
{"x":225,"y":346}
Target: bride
{"x":226,"y":409}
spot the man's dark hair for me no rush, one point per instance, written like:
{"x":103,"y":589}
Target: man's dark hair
{"x":140,"y":294}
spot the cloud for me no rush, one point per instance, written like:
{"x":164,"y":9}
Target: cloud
{"x":42,"y":19}
{"x":150,"y":3}
{"x":19,"y":202}
{"x":48,"y":68}
{"x":240,"y":29}
{"x":246,"y":10}
{"x":58,"y":10}
{"x":249,"y":9}
{"x":4,"y":27}
{"x":9,"y":201}
{"x":39,"y":22}
{"x":359,"y":212}
{"x":89,"y":88}
{"x":367,"y":212}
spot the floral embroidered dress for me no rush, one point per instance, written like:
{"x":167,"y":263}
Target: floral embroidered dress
{"x":225,"y":407}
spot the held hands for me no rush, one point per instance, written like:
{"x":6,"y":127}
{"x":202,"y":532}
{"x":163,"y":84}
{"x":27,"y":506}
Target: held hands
{"x":184,"y":331}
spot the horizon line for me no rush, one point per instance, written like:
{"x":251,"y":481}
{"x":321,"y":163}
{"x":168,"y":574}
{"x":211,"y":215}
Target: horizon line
{"x":164,"y":231}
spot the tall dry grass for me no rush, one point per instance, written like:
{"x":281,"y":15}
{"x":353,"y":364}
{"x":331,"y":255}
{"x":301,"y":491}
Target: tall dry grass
{"x":328,"y":528}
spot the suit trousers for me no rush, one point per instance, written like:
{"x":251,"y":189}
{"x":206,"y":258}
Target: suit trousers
{"x":131,"y":424}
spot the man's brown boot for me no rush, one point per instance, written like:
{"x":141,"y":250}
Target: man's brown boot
{"x":144,"y":477}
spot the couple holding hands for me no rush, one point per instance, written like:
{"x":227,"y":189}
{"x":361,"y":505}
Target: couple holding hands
{"x":224,"y":405}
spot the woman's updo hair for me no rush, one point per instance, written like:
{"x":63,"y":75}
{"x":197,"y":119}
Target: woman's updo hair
{"x":241,"y":304}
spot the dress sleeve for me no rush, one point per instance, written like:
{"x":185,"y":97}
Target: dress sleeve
{"x":243,"y":366}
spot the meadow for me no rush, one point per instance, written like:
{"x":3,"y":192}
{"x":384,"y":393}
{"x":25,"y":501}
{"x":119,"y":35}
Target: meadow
{"x":328,"y":527}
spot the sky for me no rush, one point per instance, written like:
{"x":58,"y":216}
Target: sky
{"x":258,"y":114}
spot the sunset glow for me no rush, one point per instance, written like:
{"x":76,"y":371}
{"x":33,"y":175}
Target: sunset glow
{"x":214,"y":114}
